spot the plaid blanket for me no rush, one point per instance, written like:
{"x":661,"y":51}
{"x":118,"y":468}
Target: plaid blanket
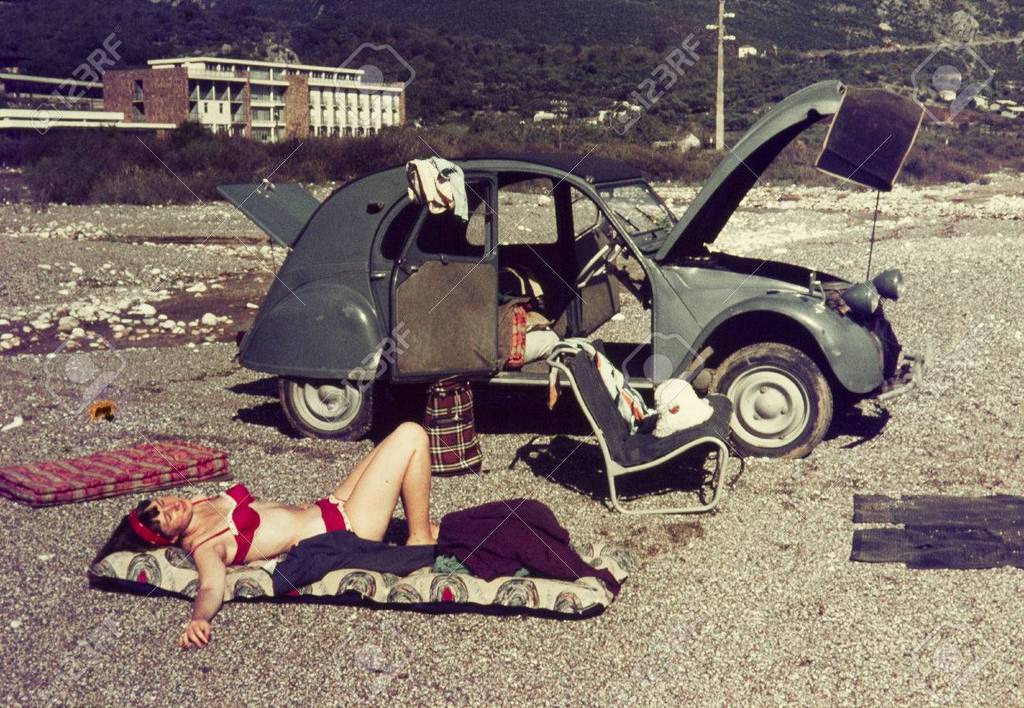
{"x":106,"y":474}
{"x":454,"y":448}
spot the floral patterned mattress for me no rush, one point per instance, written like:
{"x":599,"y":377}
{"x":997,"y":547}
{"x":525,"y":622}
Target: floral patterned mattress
{"x":172,"y":570}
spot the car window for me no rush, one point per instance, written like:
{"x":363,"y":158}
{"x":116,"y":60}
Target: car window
{"x":527,"y":212}
{"x":446,"y":233}
{"x":585,"y":213}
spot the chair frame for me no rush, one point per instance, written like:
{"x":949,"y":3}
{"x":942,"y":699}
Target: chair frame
{"x":615,"y":469}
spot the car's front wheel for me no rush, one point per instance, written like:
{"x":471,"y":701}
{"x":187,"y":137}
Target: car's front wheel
{"x":782,"y":402}
{"x":327,"y":409}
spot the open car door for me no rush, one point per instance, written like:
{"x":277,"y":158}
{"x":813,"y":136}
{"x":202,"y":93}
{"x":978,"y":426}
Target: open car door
{"x":597,"y":298}
{"x":444,"y":291}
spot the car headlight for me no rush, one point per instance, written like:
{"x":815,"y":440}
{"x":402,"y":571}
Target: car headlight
{"x":863,"y":298}
{"x":889,"y":283}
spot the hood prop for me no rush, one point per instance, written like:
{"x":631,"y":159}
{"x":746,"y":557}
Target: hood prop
{"x":874,"y":224}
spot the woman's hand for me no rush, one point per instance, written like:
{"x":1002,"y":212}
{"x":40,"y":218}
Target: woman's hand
{"x":196,"y":635}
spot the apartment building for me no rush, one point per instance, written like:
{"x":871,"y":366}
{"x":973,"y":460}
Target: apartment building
{"x":267,"y":101}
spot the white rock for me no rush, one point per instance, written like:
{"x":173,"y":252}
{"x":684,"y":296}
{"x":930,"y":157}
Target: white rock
{"x":77,"y":270}
{"x":6,"y":336}
{"x":85,"y":313}
{"x":209,"y":319}
{"x":197,"y":288}
{"x":144,"y":309}
{"x":168,"y":324}
{"x":16,"y":423}
{"x":67,"y":324}
{"x":78,"y":332}
{"x":252,"y":306}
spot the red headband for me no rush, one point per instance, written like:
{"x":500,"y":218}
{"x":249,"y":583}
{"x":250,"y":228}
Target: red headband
{"x":154,"y":538}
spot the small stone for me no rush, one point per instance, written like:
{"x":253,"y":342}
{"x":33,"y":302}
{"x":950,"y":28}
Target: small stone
{"x":67,"y":324}
{"x":209,"y":319}
{"x":197,"y":288}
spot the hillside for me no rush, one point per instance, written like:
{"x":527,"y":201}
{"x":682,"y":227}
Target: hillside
{"x":503,"y":56}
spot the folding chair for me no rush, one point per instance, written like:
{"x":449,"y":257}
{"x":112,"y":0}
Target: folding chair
{"x":627,"y":453}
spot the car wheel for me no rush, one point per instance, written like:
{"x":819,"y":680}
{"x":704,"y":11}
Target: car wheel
{"x":782,"y":402}
{"x":327,"y":409}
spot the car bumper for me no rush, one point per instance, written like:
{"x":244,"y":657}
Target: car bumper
{"x":907,"y":377}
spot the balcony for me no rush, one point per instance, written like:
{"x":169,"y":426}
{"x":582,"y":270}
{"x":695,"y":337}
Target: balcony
{"x":215,"y":75}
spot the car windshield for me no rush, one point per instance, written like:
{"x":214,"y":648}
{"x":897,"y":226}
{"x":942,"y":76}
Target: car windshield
{"x":638,"y":206}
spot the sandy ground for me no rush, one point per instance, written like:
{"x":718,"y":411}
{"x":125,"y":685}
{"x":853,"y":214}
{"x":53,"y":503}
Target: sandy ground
{"x":755,"y":604}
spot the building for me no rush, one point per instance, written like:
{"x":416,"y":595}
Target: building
{"x":18,"y":90}
{"x":745,"y":51}
{"x":267,"y":101}
{"x":40,"y":103}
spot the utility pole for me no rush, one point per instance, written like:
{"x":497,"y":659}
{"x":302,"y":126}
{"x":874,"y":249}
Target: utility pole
{"x":720,"y":81}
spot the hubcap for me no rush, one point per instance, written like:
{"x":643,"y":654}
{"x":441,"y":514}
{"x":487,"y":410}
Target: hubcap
{"x":326,"y":406}
{"x":770,"y":407}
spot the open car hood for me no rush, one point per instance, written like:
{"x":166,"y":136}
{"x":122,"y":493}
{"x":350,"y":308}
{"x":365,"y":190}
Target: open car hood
{"x":867,"y":143}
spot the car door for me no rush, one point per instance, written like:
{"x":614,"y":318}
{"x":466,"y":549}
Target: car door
{"x":444,"y":291}
{"x":598,"y":297}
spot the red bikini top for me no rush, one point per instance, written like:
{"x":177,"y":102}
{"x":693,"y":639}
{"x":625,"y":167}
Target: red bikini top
{"x":243,"y":522}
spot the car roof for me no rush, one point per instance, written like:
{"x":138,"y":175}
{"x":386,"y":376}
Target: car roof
{"x":588,"y":166}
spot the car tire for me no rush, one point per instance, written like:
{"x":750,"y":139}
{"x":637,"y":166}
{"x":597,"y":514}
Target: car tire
{"x":338,"y":410}
{"x":782,"y":402}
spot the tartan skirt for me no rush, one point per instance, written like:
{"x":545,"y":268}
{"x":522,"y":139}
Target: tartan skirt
{"x":454,"y":448}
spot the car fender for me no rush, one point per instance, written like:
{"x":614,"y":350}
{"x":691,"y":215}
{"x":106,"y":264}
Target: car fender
{"x":851,"y":352}
{"x":326,"y":330}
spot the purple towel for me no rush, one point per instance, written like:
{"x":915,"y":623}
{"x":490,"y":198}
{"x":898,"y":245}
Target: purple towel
{"x":501,"y":537}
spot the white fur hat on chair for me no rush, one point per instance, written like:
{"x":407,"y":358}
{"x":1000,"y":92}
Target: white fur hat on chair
{"x":678,"y":407}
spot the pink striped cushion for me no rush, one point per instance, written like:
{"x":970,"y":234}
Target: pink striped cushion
{"x":107,"y":474}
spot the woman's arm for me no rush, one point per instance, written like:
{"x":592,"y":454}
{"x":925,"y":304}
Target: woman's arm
{"x":212,"y":573}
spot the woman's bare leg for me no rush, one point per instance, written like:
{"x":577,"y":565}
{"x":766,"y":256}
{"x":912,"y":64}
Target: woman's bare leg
{"x":399,"y":467}
{"x":344,"y":490}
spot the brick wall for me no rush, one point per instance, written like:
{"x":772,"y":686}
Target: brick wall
{"x":165,"y":94}
{"x":296,"y":108}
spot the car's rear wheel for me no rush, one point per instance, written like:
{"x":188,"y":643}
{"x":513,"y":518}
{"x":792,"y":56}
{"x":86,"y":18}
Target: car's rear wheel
{"x":782,"y":402}
{"x":327,"y":409}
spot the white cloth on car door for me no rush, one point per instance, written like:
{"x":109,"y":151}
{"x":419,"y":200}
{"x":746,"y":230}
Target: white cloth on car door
{"x":678,"y":407}
{"x":439,"y":184}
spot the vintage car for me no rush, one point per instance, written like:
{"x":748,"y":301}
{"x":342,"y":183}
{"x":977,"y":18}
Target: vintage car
{"x":377,"y":290}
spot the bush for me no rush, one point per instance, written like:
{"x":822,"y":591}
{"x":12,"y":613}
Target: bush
{"x":111,"y":166}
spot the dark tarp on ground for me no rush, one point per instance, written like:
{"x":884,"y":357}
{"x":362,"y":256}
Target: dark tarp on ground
{"x":940,"y":531}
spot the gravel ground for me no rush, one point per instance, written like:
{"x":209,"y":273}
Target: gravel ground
{"x":755,"y":604}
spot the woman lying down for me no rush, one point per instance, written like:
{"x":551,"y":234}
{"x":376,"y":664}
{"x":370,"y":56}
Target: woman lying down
{"x":233,"y":528}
